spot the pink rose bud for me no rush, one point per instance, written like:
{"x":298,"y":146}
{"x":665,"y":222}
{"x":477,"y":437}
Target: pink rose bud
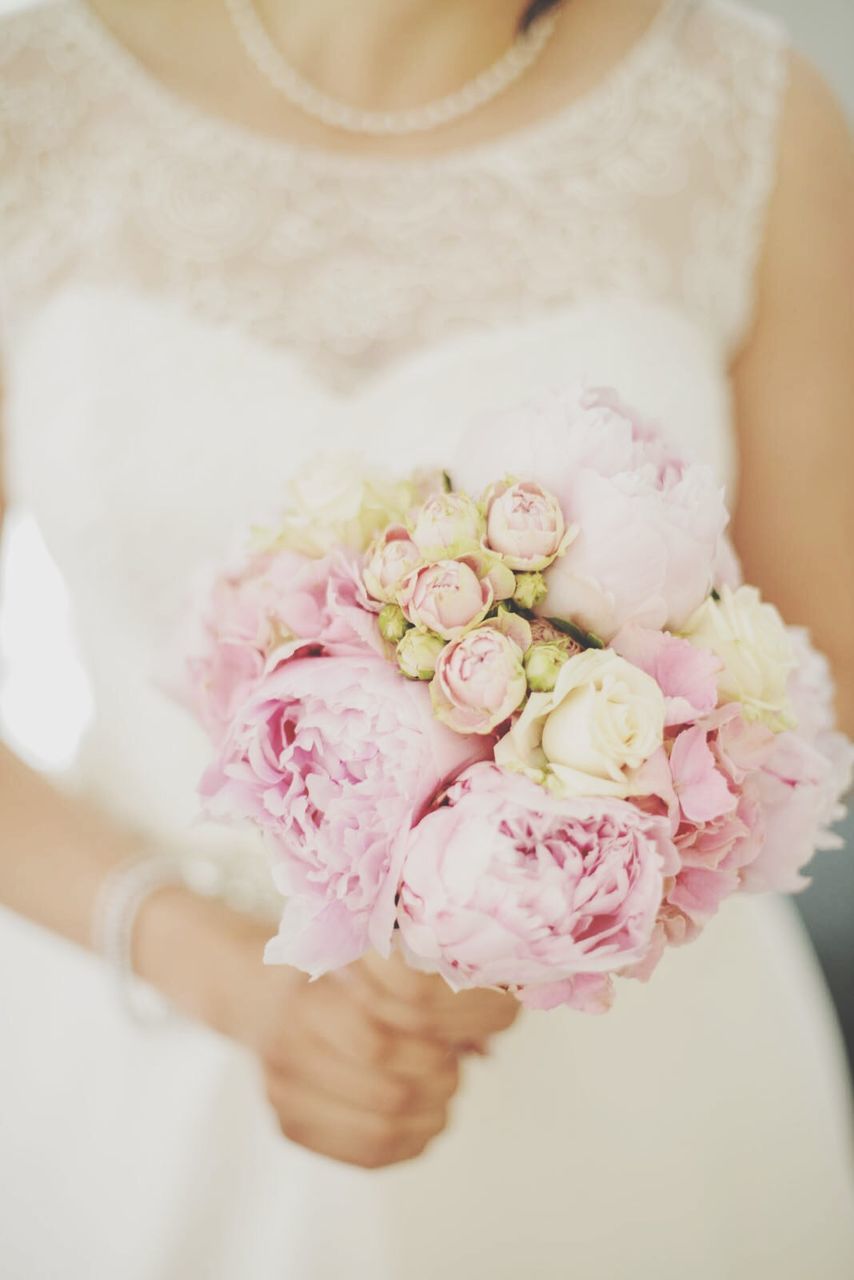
{"x":417,"y":653}
{"x":531,"y":590}
{"x":479,"y":681}
{"x":525,"y":524}
{"x":512,"y":625}
{"x":447,"y":525}
{"x":446,"y":597}
{"x":391,"y":555}
{"x":392,"y":623}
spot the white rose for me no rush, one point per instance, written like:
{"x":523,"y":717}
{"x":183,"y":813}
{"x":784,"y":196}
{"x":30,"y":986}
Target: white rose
{"x":752,"y":642}
{"x":332,"y":502}
{"x":602,"y":721}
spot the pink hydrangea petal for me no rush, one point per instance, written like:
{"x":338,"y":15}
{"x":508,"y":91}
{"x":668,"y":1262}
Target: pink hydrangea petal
{"x":686,"y":674}
{"x":702,"y":790}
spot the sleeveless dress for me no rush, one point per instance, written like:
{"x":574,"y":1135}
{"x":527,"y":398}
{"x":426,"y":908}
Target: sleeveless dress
{"x":190,"y":311}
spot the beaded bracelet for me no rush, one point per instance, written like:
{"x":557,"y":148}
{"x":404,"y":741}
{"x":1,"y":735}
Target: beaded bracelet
{"x":117,"y":907}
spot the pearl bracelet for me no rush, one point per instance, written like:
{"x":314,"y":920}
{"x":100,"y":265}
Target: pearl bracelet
{"x":117,"y":907}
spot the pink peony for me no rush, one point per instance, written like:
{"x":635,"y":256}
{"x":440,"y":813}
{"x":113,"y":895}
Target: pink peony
{"x":347,"y":623}
{"x":504,"y":885}
{"x":226,"y":655}
{"x":446,"y":597}
{"x":479,"y":681}
{"x":649,"y":524}
{"x":524,"y":524}
{"x":333,"y":759}
{"x":258,"y":604}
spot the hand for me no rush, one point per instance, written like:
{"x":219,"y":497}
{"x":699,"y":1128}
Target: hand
{"x":342,"y":1080}
{"x":423,"y":1004}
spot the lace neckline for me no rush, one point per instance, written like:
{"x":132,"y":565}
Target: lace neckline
{"x":181,"y":113}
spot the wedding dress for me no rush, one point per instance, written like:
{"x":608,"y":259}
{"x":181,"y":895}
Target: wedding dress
{"x":190,"y":312}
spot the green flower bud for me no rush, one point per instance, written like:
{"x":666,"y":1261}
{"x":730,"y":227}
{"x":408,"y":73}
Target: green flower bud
{"x":392,"y":623}
{"x":417,"y":653}
{"x":542,"y":664}
{"x":531,"y":590}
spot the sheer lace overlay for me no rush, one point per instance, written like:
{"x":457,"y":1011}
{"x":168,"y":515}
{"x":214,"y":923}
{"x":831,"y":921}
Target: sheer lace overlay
{"x":653,"y":187}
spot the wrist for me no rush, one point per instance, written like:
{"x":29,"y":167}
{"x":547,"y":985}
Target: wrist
{"x":198,"y":952}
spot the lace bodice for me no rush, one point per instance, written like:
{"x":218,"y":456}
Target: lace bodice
{"x":653,"y":185}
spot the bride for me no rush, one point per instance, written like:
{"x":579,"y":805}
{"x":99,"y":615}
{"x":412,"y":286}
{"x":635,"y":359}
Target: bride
{"x":231,"y":238}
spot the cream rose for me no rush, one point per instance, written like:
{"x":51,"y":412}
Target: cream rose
{"x":601,"y":722}
{"x":752,"y":642}
{"x":333,"y":502}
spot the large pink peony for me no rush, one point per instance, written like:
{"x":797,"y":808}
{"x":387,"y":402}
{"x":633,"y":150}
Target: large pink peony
{"x":506,"y":885}
{"x":649,"y":524}
{"x":263,"y":605}
{"x":333,"y":758}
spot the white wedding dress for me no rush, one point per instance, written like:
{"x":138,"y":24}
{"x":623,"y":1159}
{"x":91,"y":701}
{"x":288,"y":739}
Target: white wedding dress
{"x":191,"y":311}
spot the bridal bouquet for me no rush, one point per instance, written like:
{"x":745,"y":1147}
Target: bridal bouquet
{"x":523,"y":716}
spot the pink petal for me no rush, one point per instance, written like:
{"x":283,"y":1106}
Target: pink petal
{"x":703,"y":792}
{"x":586,"y":992}
{"x":686,"y":675}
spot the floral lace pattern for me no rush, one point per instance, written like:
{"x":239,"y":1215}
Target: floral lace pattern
{"x":652,"y":186}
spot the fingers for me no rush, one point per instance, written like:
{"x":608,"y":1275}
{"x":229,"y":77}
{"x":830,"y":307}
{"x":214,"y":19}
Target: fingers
{"x":351,"y":1030}
{"x":395,"y":976}
{"x":332,"y":1128}
{"x":377,"y":1089}
{"x":423,"y":1004}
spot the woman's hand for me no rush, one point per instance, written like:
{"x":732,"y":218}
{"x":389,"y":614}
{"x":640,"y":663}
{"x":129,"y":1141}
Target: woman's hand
{"x":341,"y":1082}
{"x":344,"y":1076}
{"x":423,"y":1004}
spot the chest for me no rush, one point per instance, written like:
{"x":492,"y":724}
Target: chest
{"x":142,"y":438}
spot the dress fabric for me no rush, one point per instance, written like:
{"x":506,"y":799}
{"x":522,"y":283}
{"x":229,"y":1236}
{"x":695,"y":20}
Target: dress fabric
{"x":191,"y":311}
